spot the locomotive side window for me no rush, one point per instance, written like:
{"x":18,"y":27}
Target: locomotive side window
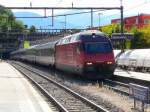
{"x":74,"y":38}
{"x":67,"y":40}
{"x":63,"y":41}
{"x":79,"y":48}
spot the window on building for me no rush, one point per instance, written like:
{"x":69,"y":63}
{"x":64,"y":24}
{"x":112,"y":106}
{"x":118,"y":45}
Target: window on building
{"x":118,"y":21}
{"x":146,"y":21}
{"x":136,"y":21}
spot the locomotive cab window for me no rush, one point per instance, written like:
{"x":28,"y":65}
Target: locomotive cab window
{"x":97,"y":47}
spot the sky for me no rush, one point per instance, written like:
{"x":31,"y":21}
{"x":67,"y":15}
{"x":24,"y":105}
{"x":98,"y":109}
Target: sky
{"x":131,"y":7}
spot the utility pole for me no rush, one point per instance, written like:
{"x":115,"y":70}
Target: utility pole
{"x":91,"y":18}
{"x":122,"y":22}
{"x":52,"y":17}
{"x":65,"y":22}
{"x":122,"y":25}
{"x":30,"y":4}
{"x":72,"y":4}
{"x":99,"y":18}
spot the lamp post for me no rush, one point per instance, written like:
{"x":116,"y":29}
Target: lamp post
{"x":122,"y":25}
{"x":64,"y":23}
{"x":91,"y":18}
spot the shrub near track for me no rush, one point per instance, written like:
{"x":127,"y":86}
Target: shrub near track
{"x":141,"y":35}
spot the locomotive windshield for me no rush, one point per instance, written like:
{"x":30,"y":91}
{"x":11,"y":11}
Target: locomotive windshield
{"x":97,"y":47}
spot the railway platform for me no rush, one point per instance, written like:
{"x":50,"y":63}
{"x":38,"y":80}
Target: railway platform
{"x":132,"y":74}
{"x":17,"y":94}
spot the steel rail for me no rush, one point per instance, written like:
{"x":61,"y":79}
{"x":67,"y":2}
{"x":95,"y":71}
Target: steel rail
{"x":116,"y":82}
{"x":42,"y":90}
{"x":108,"y":82}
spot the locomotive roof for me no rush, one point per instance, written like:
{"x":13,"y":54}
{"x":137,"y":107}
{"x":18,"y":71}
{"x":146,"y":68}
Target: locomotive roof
{"x":89,"y":32}
{"x":76,"y":37}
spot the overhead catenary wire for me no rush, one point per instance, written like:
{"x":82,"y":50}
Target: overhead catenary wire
{"x":68,"y":14}
{"x":129,"y":9}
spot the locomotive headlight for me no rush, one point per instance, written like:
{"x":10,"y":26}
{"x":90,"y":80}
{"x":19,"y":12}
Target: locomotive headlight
{"x":89,"y":63}
{"x":109,"y":62}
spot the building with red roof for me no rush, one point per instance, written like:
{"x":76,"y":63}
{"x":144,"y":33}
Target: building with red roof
{"x":134,"y":21}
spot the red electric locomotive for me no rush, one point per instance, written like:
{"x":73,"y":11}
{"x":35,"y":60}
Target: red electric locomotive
{"x":87,"y":53}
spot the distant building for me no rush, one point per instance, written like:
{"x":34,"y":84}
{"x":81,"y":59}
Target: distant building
{"x":139,"y":21}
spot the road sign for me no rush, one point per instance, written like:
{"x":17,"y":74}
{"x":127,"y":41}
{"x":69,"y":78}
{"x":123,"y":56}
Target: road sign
{"x":140,"y":93}
{"x":128,"y":36}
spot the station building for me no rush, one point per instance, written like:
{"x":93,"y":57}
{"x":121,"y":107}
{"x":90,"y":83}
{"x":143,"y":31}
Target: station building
{"x":138,"y":21}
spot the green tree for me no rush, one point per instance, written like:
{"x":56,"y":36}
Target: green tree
{"x":146,"y":35}
{"x":136,"y":42}
{"x":32,"y":29}
{"x":141,"y":37}
{"x":109,"y":29}
{"x":18,"y":26}
{"x":8,"y":21}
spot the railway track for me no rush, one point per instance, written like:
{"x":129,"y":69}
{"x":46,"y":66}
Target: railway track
{"x":119,"y":87}
{"x":64,"y":98}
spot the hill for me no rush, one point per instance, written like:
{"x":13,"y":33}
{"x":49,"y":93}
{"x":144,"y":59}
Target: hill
{"x":72,"y":21}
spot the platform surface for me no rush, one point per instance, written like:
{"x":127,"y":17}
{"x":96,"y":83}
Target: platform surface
{"x":17,"y":94}
{"x":132,"y":74}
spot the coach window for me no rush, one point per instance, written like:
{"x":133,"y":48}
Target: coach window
{"x":42,"y":52}
{"x":50,"y":51}
{"x":59,"y":42}
{"x":47,"y":52}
